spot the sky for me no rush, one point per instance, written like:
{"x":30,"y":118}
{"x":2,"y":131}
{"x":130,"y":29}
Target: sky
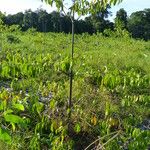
{"x":14,"y":6}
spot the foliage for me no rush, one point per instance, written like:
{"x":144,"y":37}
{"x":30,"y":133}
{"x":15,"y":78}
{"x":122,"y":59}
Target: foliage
{"x":121,"y":19}
{"x":139,"y":24}
{"x":12,"y":39}
{"x":84,"y":6}
{"x":98,"y":21}
{"x":58,"y":22}
{"x":110,"y":93}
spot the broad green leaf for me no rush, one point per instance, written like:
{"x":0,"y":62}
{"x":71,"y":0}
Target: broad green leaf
{"x":13,"y":119}
{"x":4,"y":136}
{"x":3,"y":105}
{"x":8,"y":111}
{"x":19,"y":107}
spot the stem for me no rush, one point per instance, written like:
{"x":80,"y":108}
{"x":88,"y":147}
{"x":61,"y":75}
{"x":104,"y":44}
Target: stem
{"x":110,"y":139}
{"x":71,"y":69}
{"x":117,"y":132}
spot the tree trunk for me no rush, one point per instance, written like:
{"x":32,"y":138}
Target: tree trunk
{"x":71,"y":70}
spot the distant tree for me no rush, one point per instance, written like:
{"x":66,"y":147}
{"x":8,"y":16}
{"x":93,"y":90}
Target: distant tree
{"x":120,"y":25}
{"x":19,"y":18}
{"x":147,"y":24}
{"x":98,"y":20}
{"x":30,"y":20}
{"x":139,"y":24}
{"x":2,"y":16}
{"x":9,"y":20}
{"x":65,"y":24}
{"x":55,"y":18}
{"x":82,"y":26}
{"x":121,"y":19}
{"x":44,"y":21}
{"x":16,"y":19}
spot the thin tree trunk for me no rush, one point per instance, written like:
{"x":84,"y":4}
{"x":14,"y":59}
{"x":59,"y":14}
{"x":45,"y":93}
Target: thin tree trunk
{"x":71,"y":70}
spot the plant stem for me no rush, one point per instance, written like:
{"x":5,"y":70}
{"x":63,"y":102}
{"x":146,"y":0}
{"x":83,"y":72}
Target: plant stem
{"x":117,"y":132}
{"x":71,"y":67}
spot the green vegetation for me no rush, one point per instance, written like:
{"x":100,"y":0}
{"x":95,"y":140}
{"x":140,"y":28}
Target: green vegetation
{"x":111,"y":91}
{"x":137,"y":24}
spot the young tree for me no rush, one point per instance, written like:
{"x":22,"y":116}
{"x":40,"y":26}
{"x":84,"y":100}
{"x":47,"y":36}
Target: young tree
{"x":81,"y":7}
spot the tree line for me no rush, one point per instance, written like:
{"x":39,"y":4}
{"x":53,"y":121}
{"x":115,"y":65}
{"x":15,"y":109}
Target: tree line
{"x":137,"y":24}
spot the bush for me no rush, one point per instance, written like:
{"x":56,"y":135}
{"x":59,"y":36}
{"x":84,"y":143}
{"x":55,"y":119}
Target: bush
{"x":12,"y":39}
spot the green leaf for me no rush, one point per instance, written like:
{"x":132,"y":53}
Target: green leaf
{"x":4,"y":136}
{"x":3,"y":105}
{"x":52,"y":104}
{"x":83,"y":6}
{"x":107,"y":109}
{"x":53,"y":126}
{"x":19,"y":107}
{"x":13,"y":119}
{"x":8,"y":111}
{"x":13,"y":126}
{"x":38,"y":106}
{"x":77,"y":128}
{"x":135,"y":132}
{"x":114,"y":2}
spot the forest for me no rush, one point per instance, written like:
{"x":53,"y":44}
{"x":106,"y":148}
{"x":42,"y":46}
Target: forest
{"x":137,"y":24}
{"x":84,"y":91}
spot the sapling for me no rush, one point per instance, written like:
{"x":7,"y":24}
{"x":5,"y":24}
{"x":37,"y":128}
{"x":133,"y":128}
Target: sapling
{"x":81,"y":8}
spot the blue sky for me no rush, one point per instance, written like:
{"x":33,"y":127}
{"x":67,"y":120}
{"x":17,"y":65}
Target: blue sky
{"x":14,"y":6}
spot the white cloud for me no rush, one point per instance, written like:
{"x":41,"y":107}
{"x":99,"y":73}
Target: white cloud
{"x":14,"y":6}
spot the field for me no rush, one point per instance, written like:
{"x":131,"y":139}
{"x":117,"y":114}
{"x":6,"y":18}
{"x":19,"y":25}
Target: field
{"x":111,"y":92}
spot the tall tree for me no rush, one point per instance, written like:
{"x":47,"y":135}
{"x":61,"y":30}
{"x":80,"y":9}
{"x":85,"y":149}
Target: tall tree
{"x":139,"y":24}
{"x":98,"y":19}
{"x":65,"y":24}
{"x":44,"y":21}
{"x":121,"y":19}
{"x":30,"y":20}
{"x":121,"y":24}
{"x":55,"y":17}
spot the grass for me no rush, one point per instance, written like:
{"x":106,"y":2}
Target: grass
{"x":110,"y":90}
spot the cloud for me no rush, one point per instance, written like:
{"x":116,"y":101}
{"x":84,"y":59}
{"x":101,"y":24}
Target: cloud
{"x":14,"y":6}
